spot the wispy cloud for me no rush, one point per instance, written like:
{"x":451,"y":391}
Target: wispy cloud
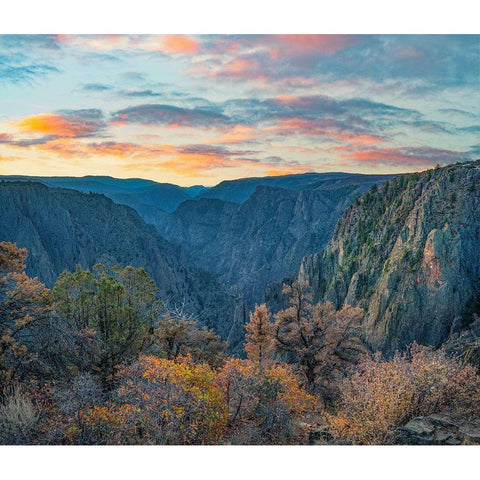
{"x":96,"y":87}
{"x":23,"y":73}
{"x":157,"y":114}
{"x":406,"y":157}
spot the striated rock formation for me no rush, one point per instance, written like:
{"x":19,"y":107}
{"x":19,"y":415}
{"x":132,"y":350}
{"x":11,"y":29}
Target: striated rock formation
{"x":439,"y":429}
{"x":409,"y":254}
{"x":264,"y":238}
{"x":61,"y":228}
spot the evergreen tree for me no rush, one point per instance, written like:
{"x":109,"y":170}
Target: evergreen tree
{"x":259,"y":344}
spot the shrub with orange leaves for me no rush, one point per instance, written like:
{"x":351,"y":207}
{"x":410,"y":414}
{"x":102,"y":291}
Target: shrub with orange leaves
{"x":25,"y":307}
{"x":165,"y":402}
{"x":263,"y":403}
{"x":383,"y":395}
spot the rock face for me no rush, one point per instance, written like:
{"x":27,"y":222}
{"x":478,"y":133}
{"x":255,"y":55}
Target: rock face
{"x":264,"y":238}
{"x":465,"y":342}
{"x":439,"y":429}
{"x":409,"y":254}
{"x":62,"y":228}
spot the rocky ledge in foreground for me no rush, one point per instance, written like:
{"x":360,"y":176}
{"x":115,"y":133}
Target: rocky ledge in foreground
{"x":439,"y":429}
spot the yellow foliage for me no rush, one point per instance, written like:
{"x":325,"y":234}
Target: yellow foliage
{"x":383,"y":395}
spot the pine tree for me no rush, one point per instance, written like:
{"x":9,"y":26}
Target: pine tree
{"x":259,"y":339}
{"x":112,"y":313}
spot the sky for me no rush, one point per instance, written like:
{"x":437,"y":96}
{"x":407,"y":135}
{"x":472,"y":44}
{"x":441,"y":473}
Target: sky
{"x":199,"y":109}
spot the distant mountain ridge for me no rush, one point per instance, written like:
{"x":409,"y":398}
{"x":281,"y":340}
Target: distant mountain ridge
{"x":143,"y":195}
{"x":151,"y":197}
{"x":239,"y":190}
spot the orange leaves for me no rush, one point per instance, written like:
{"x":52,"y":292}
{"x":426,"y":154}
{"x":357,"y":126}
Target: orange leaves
{"x":292,"y":395}
{"x":259,"y":338}
{"x":25,"y":303}
{"x":12,"y":258}
{"x":177,"y":402}
{"x":384,"y":395}
{"x":176,"y":337}
{"x":320,"y":340}
{"x":163,"y":401}
{"x":268,"y":399}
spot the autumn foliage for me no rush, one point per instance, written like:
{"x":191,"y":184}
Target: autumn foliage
{"x":383,"y":395}
{"x":263,"y":403}
{"x":161,"y":401}
{"x":164,"y":402}
{"x":177,"y":337}
{"x":25,"y":305}
{"x":259,"y":342}
{"x":98,"y":361}
{"x":321,"y":341}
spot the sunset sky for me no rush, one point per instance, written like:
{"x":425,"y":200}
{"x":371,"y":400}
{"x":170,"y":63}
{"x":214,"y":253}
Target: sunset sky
{"x":200,"y":109}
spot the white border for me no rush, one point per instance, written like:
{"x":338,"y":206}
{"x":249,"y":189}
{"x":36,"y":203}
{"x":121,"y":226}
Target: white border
{"x":240,"y":16}
{"x":245,"y":463}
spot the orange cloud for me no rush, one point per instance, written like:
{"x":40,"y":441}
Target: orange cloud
{"x":152,"y":43}
{"x":49,"y":124}
{"x":67,"y":147}
{"x":286,"y":99}
{"x":179,"y":44}
{"x":287,"y":171}
{"x":302,"y":44}
{"x":281,"y":46}
{"x":189,"y":161}
{"x":201,"y":165}
{"x":59,"y":125}
{"x":324,"y":127}
{"x":7,"y":159}
{"x":237,"y":134}
{"x":361,"y":139}
{"x":237,"y":68}
{"x":404,"y":156}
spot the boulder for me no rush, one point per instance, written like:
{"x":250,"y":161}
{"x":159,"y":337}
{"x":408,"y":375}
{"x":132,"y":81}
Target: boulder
{"x":439,"y":429}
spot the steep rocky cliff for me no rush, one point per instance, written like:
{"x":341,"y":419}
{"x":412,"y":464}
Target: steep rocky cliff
{"x":264,"y":238}
{"x":61,"y":228}
{"x":409,"y":253}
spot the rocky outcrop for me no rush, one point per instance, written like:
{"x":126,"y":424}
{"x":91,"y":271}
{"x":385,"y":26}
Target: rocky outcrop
{"x":264,"y":238}
{"x":464,"y":342}
{"x":62,"y":228}
{"x":439,"y":429}
{"x":409,"y":254}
